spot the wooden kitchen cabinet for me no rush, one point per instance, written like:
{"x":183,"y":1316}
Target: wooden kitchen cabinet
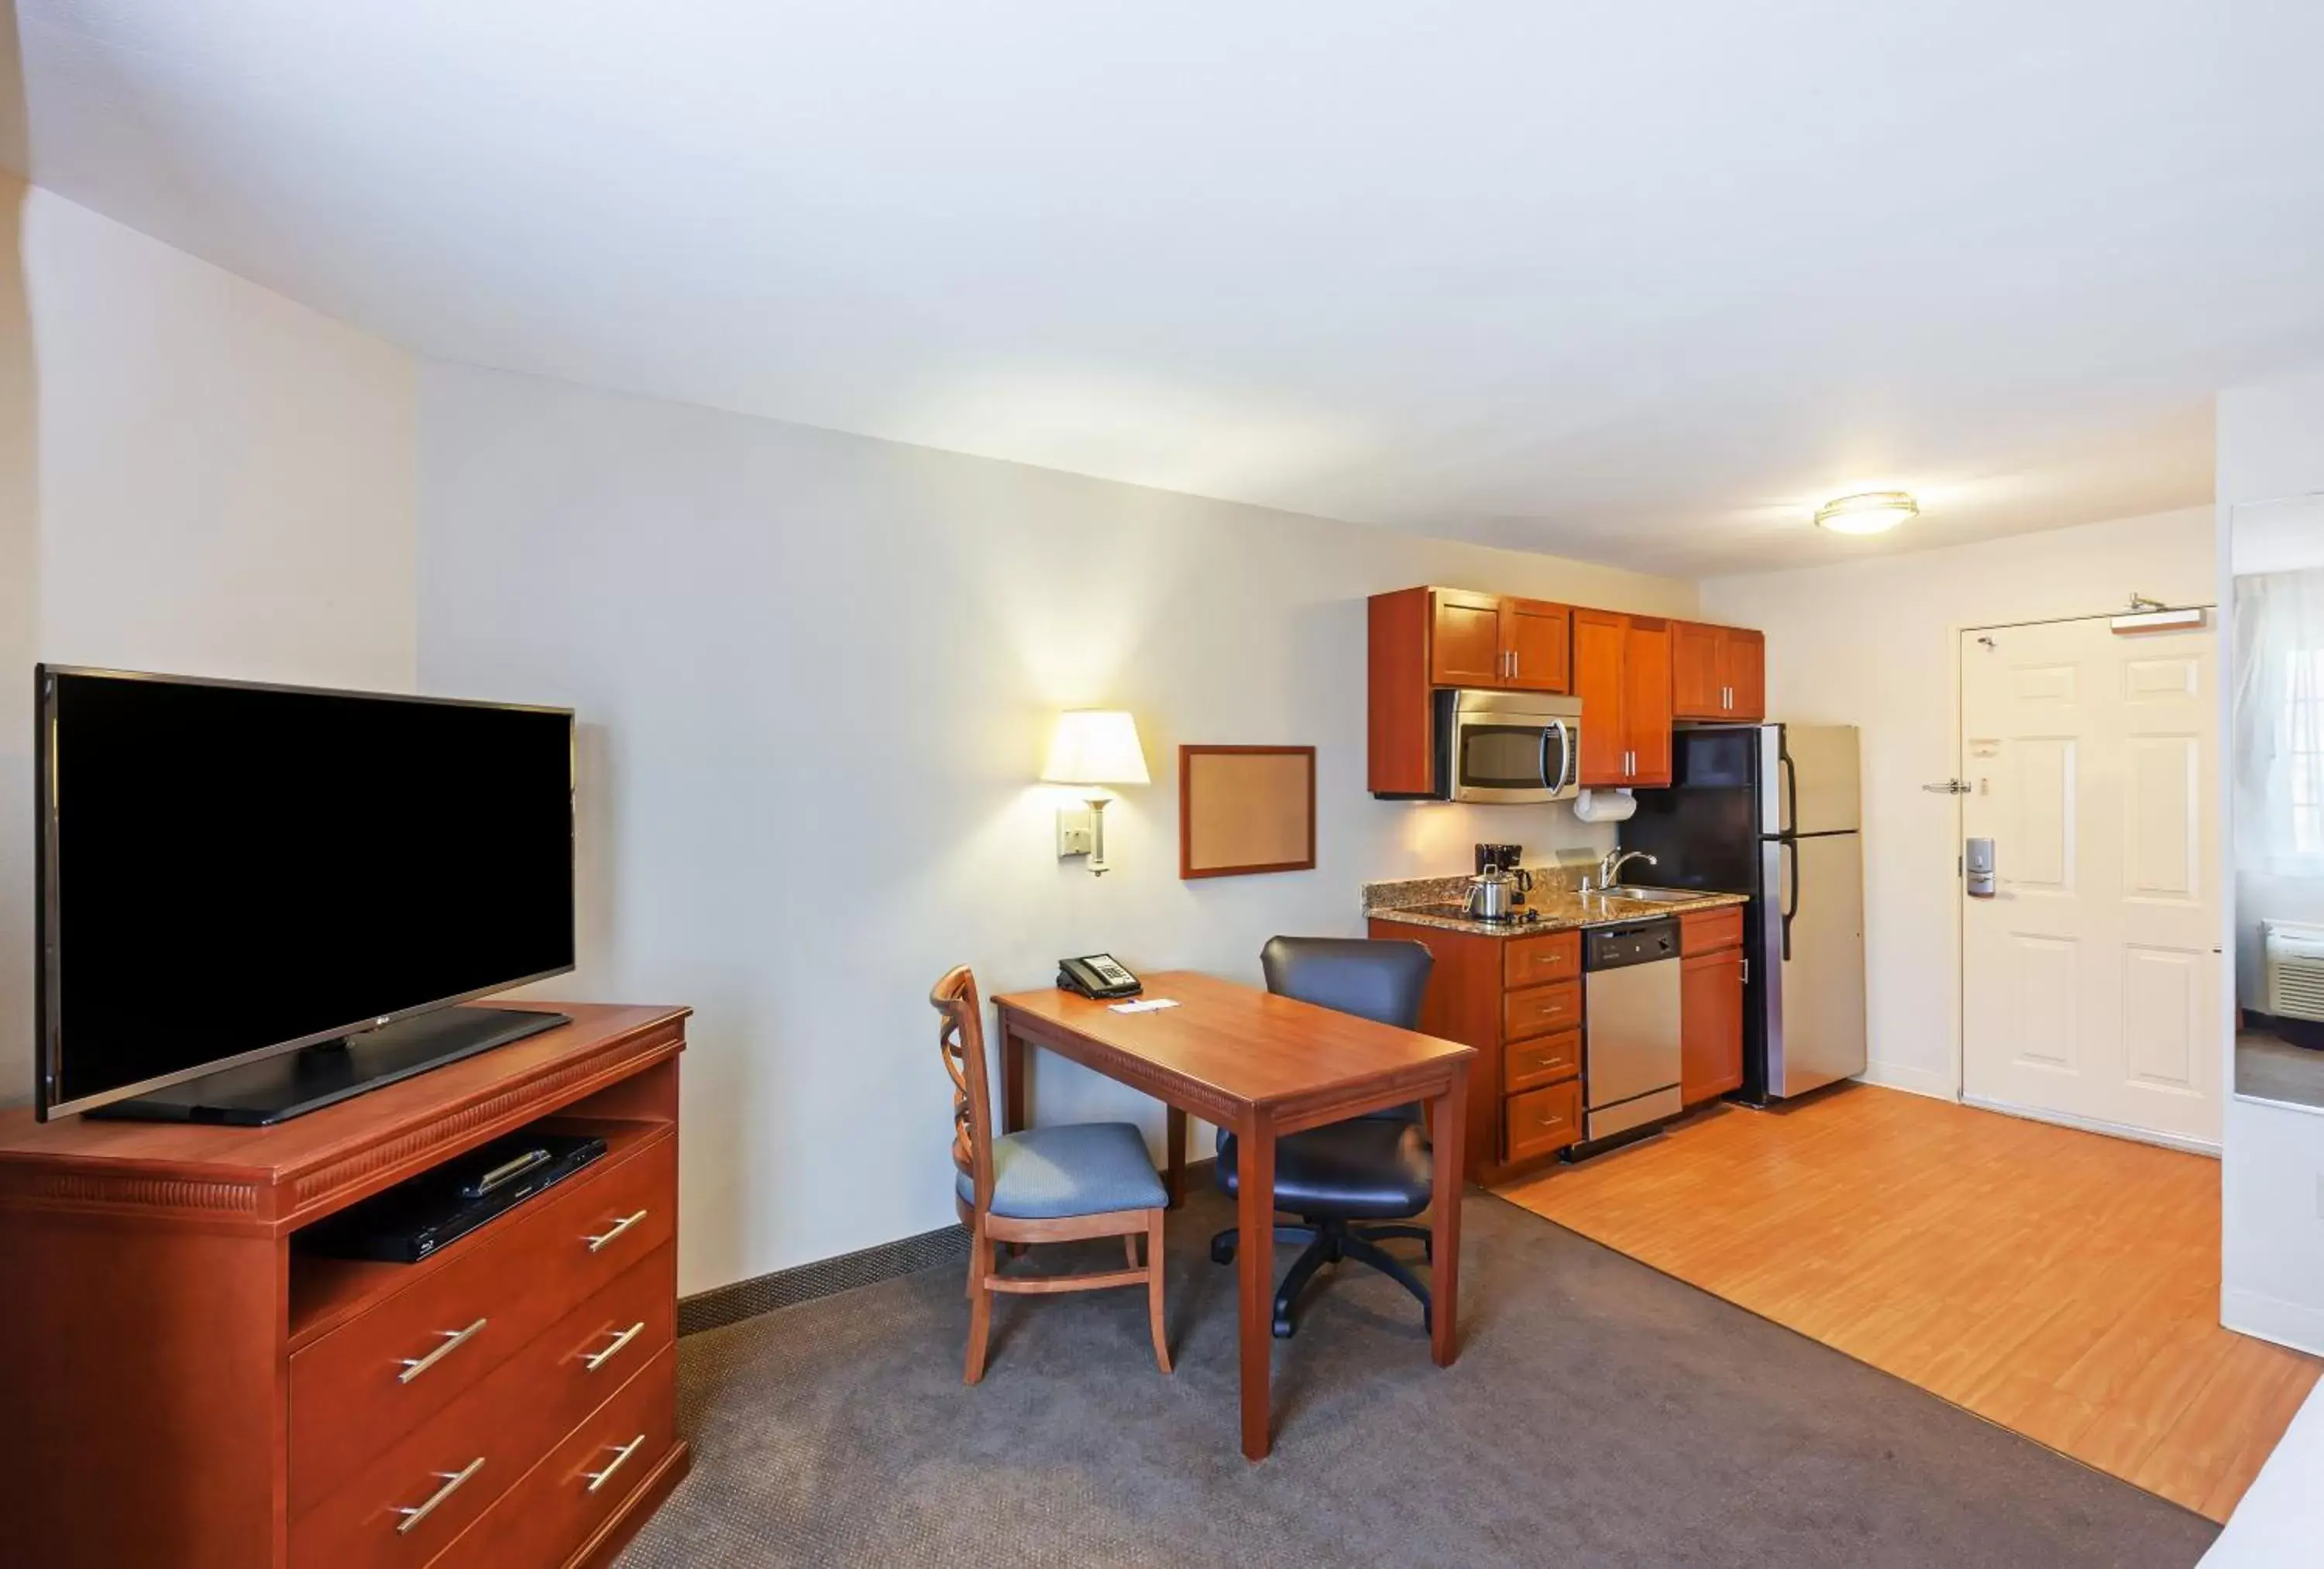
{"x":1464,"y":645}
{"x":1493,"y":641}
{"x":1519,"y":1001}
{"x":1539,"y":639}
{"x":1717,"y":673}
{"x":1711,"y":1004}
{"x":1622,"y":674}
{"x":1424,"y":638}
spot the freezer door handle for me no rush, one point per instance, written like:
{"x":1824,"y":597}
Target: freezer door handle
{"x":1792,"y":895}
{"x":1791,"y":824}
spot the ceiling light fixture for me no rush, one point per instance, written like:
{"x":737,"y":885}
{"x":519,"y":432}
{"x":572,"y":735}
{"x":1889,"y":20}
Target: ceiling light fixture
{"x":1870,"y":512}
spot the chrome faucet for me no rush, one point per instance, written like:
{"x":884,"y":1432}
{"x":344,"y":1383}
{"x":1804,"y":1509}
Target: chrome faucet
{"x":1609,"y":869}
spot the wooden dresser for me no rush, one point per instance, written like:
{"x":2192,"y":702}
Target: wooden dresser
{"x":184,"y":1390}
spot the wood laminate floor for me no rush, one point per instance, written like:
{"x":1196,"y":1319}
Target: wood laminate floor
{"x":2059,"y":1283}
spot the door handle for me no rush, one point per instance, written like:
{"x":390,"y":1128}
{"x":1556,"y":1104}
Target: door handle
{"x":1976,"y":868}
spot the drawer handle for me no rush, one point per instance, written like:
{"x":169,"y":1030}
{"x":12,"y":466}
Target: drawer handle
{"x":414,"y":1366}
{"x":615,"y":1350}
{"x":597,"y":1243}
{"x":598,"y":1478}
{"x":452,"y":1483}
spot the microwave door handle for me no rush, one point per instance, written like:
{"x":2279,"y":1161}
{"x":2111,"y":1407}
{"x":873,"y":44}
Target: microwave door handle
{"x":1568,"y":764}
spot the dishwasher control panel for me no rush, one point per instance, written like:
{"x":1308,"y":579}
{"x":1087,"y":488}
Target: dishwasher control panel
{"x":1632,"y":942}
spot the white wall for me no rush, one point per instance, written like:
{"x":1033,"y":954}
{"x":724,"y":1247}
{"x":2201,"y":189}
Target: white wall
{"x":2271,"y":446}
{"x":1874,"y":643}
{"x":200,"y":476}
{"x":815,"y":674}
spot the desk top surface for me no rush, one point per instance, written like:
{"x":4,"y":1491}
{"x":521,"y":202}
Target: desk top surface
{"x":1245,"y":1045}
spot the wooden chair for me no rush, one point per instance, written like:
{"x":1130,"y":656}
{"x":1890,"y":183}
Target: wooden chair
{"x":1058,"y":1184}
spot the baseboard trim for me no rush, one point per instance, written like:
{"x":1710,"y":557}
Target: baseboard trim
{"x":1917,"y":1081}
{"x":944,"y":1246}
{"x":2095,"y":1125}
{"x":723,"y":1305}
{"x":2288,"y":1324}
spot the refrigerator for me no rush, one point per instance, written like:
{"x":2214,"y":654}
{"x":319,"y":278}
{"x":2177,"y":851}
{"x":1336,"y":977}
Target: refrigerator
{"x":1771,"y":811}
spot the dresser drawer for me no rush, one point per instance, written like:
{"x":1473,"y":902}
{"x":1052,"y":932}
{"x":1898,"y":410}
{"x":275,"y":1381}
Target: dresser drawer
{"x":553,"y":1513}
{"x":1708,"y":930}
{"x":371,"y":1380}
{"x":500,"y":1428}
{"x":1540,"y":1010}
{"x":1543,"y":1060}
{"x":1542,"y":1121}
{"x":1528,"y":961}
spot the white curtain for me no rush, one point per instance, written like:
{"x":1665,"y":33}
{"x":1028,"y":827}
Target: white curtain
{"x":2279,"y":722}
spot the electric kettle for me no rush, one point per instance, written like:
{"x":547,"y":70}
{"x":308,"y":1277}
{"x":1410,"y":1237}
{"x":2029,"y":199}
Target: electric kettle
{"x":1493,"y":893}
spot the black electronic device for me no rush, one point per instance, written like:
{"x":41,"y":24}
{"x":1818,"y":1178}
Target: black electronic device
{"x":405,"y":1224}
{"x":1097,"y":974}
{"x":254,"y":901}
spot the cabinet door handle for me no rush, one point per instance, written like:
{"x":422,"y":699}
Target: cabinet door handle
{"x":597,"y":1243}
{"x":621,"y":1453}
{"x":414,"y":1366}
{"x":600,"y":1359}
{"x":452,"y":1480}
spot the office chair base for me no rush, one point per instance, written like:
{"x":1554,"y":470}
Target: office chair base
{"x":1328,"y":1242}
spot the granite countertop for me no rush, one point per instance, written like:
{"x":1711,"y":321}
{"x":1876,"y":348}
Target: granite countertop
{"x":1562,"y":909}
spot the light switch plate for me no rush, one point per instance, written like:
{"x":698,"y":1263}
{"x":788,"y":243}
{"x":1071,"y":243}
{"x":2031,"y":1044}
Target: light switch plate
{"x":1073,"y":836}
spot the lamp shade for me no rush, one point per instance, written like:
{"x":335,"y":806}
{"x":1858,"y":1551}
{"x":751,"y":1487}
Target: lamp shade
{"x":1095,"y":745}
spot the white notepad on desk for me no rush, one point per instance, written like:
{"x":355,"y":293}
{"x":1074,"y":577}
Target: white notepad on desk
{"x":1143,"y":1006}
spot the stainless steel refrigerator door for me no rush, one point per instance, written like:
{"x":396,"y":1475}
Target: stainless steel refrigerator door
{"x":1810,"y":779}
{"x":1816,"y":1008}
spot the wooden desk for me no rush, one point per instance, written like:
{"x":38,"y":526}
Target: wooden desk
{"x":1261,"y":1066}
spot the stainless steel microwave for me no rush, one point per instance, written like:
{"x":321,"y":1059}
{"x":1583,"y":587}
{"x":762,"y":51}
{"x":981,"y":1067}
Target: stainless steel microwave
{"x":1508,"y":746}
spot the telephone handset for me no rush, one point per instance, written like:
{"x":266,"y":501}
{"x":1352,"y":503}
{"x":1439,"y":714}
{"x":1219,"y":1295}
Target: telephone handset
{"x":1096,"y":975}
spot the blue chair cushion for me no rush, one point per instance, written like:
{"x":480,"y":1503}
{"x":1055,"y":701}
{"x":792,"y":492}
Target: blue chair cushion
{"x":1073,"y":1169}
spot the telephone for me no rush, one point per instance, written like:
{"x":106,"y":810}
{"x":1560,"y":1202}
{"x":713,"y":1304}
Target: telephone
{"x":1096,"y":975}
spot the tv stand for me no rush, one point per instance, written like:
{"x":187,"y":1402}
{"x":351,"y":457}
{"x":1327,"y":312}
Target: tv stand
{"x":185,"y":1386}
{"x":259,"y":1095}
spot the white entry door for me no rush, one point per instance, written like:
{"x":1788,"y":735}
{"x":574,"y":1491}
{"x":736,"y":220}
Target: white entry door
{"x":2091,"y":976}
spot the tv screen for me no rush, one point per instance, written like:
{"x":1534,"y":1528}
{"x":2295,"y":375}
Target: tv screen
{"x":229,"y":871}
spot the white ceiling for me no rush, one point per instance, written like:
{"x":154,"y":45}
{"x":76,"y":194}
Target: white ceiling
{"x":1638,"y":282}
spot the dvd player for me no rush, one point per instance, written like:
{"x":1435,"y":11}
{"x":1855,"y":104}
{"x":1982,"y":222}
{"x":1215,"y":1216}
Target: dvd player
{"x":407,"y":1222}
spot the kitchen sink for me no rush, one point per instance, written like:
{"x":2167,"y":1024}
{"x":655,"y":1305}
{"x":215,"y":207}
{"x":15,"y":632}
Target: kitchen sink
{"x":1648,"y":896}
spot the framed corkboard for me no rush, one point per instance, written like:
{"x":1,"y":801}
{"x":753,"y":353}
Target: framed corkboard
{"x":1246,"y":809}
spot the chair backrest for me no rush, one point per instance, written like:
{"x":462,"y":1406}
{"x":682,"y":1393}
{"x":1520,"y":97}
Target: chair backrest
{"x":1382,"y":981}
{"x":960,"y":1041}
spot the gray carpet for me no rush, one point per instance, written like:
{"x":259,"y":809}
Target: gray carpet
{"x":1599,"y":1414}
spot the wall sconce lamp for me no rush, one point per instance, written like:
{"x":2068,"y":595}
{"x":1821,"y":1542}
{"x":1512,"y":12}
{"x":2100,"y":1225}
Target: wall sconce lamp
{"x":1093,"y":747}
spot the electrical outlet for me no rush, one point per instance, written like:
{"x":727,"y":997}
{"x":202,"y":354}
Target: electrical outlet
{"x":1073,"y":835}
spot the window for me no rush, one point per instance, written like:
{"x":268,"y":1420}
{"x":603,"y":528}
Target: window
{"x":2279,"y":722}
{"x":2302,"y":745}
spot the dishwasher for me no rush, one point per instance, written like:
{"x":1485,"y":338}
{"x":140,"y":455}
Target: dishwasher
{"x":1630,"y":1023}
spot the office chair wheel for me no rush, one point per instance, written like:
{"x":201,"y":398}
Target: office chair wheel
{"x":1285,"y":1327}
{"x":1222,"y":1248}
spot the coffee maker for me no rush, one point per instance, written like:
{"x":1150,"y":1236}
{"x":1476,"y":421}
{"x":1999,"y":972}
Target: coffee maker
{"x":1504,"y":856}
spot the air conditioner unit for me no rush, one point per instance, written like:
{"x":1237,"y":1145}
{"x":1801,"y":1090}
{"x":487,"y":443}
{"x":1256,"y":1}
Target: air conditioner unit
{"x":2295,"y":969}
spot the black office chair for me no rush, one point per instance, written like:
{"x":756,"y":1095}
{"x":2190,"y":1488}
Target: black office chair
{"x":1366,"y":1170}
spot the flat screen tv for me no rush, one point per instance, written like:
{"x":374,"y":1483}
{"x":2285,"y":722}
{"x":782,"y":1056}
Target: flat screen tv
{"x":258,"y":899}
